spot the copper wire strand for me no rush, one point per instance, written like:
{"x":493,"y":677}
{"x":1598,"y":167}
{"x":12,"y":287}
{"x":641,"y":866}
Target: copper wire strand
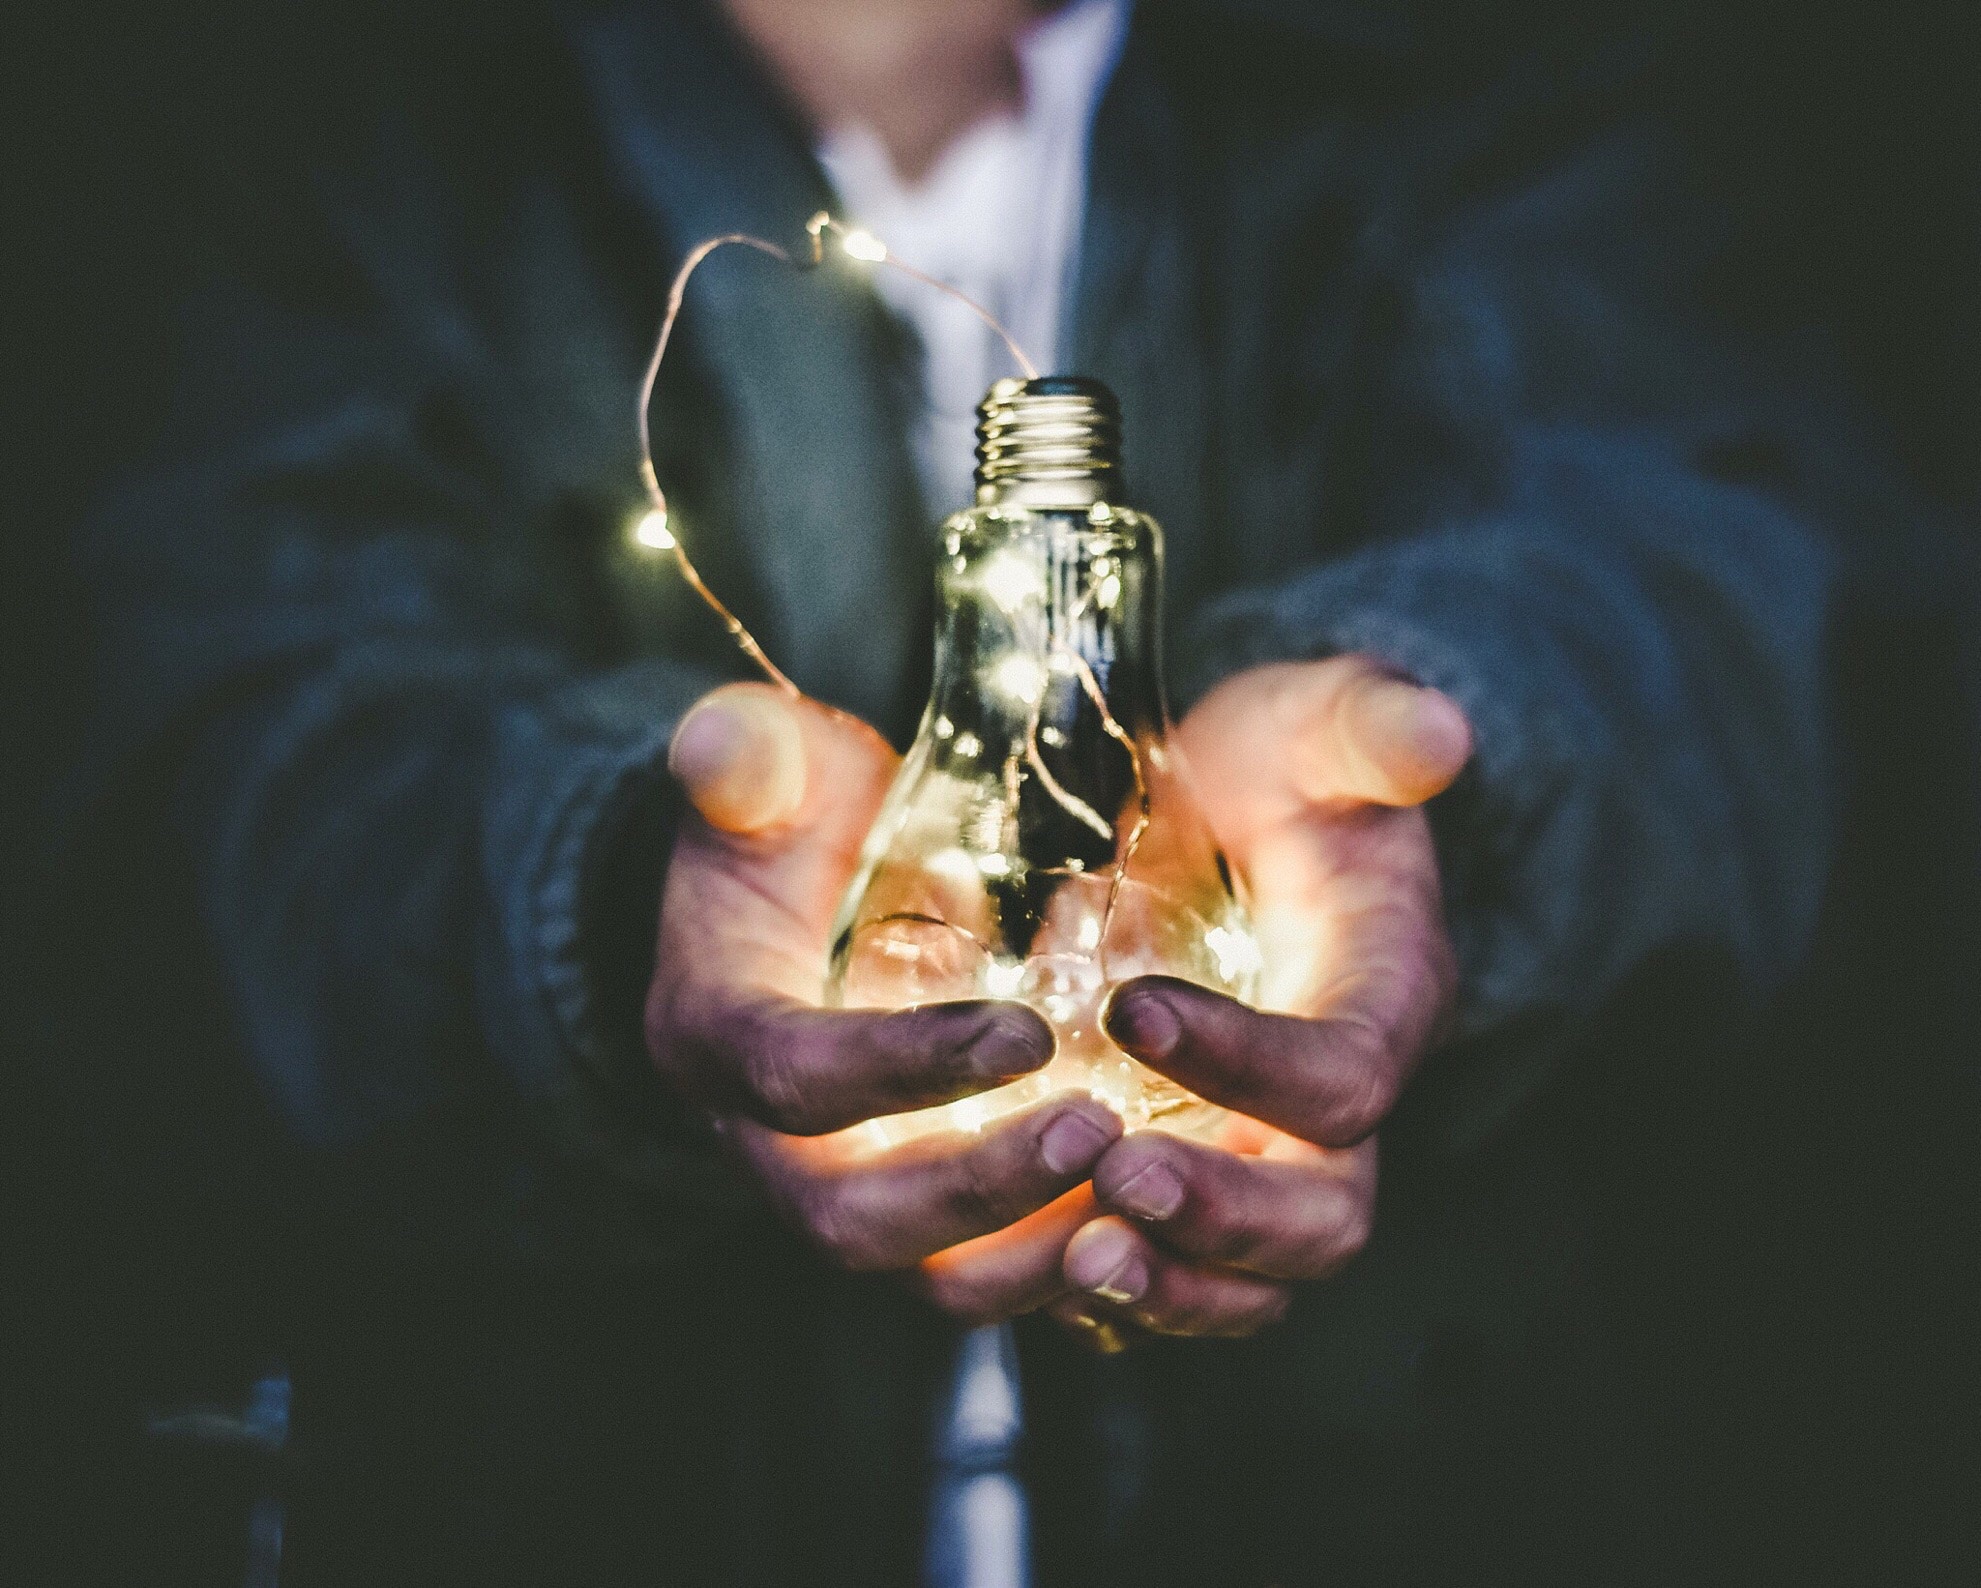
{"x":651,"y":480}
{"x":1072,"y":803}
{"x":816,"y":228}
{"x":823,"y":222}
{"x":1144,"y":809}
{"x":1068,"y":801}
{"x":917,"y":918}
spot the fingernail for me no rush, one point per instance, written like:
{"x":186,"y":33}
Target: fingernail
{"x":1072,"y":1142}
{"x":1420,"y":733}
{"x":1007,"y":1047}
{"x":1151,"y":1193}
{"x":1144,"y":1024}
{"x":1438,"y":729}
{"x":740,"y":758}
{"x":1109,"y":1265}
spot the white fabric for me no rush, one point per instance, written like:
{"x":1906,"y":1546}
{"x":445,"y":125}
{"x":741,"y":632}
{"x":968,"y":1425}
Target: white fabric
{"x":997,"y":216}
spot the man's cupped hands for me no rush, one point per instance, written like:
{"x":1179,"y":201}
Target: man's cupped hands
{"x":1313,"y":776}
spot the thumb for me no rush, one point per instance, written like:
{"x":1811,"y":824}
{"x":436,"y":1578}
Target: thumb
{"x":1368,"y":735}
{"x":739,"y":754}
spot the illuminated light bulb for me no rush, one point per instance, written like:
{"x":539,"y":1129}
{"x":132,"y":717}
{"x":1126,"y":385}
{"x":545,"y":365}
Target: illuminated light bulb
{"x":1037,"y":843}
{"x":650,"y":530}
{"x":864,"y":245}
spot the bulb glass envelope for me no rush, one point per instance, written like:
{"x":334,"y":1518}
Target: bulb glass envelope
{"x":996,"y":866}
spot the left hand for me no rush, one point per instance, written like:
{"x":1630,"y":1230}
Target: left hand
{"x":1312,"y":775}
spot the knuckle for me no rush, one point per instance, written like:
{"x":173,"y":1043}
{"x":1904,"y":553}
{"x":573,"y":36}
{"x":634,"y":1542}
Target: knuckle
{"x":981,"y":1196}
{"x":1356,"y":1226}
{"x":779,"y":1088}
{"x":1367,"y":1089}
{"x":1248,"y":1074}
{"x":1219,"y":1231}
{"x":1343,"y":1236}
{"x":1269,"y":1310}
{"x":835,"y":1227}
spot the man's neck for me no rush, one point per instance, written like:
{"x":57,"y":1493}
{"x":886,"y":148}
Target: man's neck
{"x":919,"y":73}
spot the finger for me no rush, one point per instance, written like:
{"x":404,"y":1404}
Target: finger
{"x":890,"y":1209}
{"x":808,"y":1071}
{"x":1328,"y":1081}
{"x":1011,"y":1271}
{"x":739,"y":754}
{"x":1115,"y":1263}
{"x":1371,"y":736}
{"x":1300,"y":1213}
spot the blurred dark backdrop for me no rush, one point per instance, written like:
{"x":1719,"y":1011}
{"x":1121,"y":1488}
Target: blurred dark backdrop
{"x":1795,"y":1235}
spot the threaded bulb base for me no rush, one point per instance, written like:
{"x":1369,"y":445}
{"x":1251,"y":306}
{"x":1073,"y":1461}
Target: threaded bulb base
{"x":1054,"y":441}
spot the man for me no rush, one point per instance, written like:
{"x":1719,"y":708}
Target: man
{"x":1459,"y":472}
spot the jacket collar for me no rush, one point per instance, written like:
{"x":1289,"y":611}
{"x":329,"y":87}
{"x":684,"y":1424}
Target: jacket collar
{"x":1135,"y":321}
{"x":797,"y":364}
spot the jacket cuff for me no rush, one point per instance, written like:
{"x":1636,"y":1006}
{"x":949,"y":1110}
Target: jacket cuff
{"x":1390,"y":604}
{"x":1517,"y":1000}
{"x":577,"y":838}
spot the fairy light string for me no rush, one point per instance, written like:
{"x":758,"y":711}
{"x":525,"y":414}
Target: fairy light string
{"x":656,"y":531}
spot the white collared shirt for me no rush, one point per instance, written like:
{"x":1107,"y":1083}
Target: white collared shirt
{"x":997,"y":216}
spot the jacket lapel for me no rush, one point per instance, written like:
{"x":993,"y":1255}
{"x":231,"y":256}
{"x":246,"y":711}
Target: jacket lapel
{"x":827,"y":507}
{"x":1135,"y":324}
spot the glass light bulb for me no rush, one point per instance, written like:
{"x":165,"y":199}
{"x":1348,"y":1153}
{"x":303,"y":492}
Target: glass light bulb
{"x":996,"y":866}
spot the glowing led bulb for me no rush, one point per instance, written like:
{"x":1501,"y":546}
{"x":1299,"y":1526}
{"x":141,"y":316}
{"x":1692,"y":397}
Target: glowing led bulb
{"x":1020,"y":677}
{"x":650,"y":530}
{"x":864,"y":245}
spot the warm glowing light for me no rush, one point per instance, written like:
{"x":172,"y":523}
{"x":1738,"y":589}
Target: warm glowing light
{"x":650,"y":530}
{"x":1004,"y":981}
{"x":864,"y":245}
{"x":1237,"y":953}
{"x":994,"y":865}
{"x":1019,"y":677}
{"x":1011,"y":581}
{"x":953,"y":866}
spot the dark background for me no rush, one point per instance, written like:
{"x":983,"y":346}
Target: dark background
{"x":1795,"y":1233}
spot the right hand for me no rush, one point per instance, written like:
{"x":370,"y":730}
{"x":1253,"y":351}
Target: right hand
{"x":782,"y":794}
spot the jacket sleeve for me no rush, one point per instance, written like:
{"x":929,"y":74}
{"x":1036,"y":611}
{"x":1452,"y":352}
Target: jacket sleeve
{"x":1610,"y":532}
{"x":356,"y":649}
